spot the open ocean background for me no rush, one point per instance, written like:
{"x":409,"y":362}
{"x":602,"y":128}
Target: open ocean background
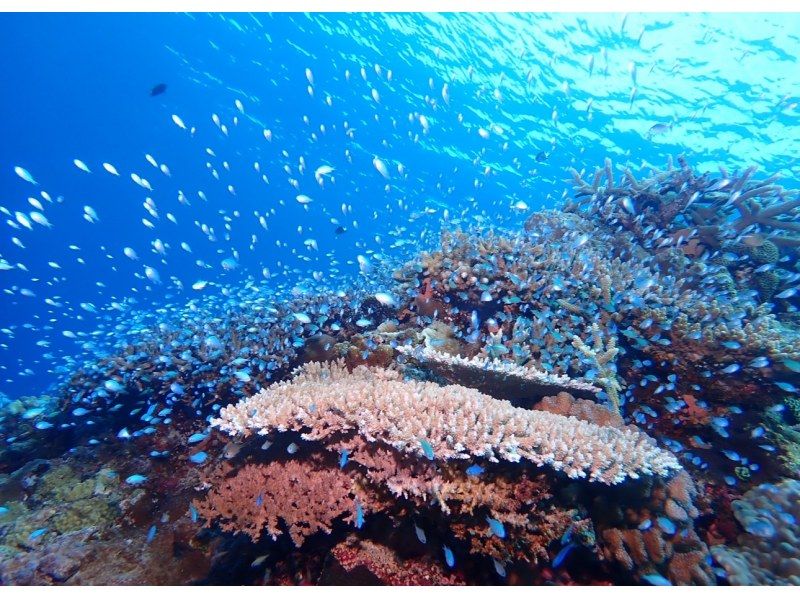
{"x":570,"y":89}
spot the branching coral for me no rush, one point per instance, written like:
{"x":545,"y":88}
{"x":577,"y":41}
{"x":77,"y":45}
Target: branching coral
{"x":603,"y":360}
{"x":505,"y":379}
{"x":450,"y":422}
{"x":305,"y":495}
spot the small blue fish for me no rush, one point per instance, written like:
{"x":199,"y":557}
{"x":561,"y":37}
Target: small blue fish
{"x":151,"y":534}
{"x":193,"y":513}
{"x":199,"y":458}
{"x":448,"y":556}
{"x":420,"y":534}
{"x":731,"y":345}
{"x":474,"y":470}
{"x":359,"y":515}
{"x":33,"y":413}
{"x":113,"y":386}
{"x":496,"y":527}
{"x":732,"y":455}
{"x":786,"y":387}
{"x":656,"y":579}
{"x":500,"y":568}
{"x":666,"y":525}
{"x":759,"y":362}
{"x":343,"y":458}
{"x":761,"y":528}
{"x":36,"y":533}
{"x":734,"y":367}
{"x":792,"y":365}
{"x":136,"y":479}
{"x":645,"y":525}
{"x":260,"y":499}
{"x":197,"y":437}
{"x":43,"y":425}
{"x":562,"y":555}
{"x":786,"y":294}
{"x":427,"y":448}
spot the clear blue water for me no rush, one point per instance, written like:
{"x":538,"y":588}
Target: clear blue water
{"x":296,"y":161}
{"x":77,"y":86}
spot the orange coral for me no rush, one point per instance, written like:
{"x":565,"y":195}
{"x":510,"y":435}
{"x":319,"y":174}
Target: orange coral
{"x":305,"y":495}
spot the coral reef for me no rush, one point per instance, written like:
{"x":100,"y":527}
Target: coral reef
{"x":450,"y":422}
{"x":769,"y":550}
{"x":503,"y":379}
{"x":384,"y":567}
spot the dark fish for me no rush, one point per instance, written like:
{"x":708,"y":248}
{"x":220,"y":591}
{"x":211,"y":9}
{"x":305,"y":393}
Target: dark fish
{"x":659,"y":129}
{"x":541,"y":156}
{"x":340,"y":230}
{"x":158,"y":89}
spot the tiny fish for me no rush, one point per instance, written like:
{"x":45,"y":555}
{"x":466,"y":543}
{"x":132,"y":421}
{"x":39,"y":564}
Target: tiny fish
{"x":731,"y":345}
{"x":659,"y":129}
{"x":474,"y":470}
{"x":761,"y":528}
{"x":193,"y":513}
{"x":385,"y":299}
{"x":81,"y":165}
{"x":562,"y":555}
{"x":759,"y":362}
{"x":36,"y":533}
{"x":113,"y":386}
{"x":359,"y":515}
{"x":136,"y":479}
{"x":158,"y":89}
{"x":734,"y":367}
{"x":199,"y":458}
{"x":656,"y":579}
{"x":292,"y":448}
{"x":427,"y":449}
{"x":343,"y":458}
{"x":25,"y":175}
{"x":786,"y":294}
{"x":786,"y":386}
{"x":178,"y":121}
{"x":420,"y":534}
{"x":259,"y":560}
{"x":151,"y":534}
{"x":496,"y":527}
{"x":498,"y":566}
{"x":666,"y":525}
{"x":448,"y":556}
{"x":197,"y":437}
{"x":792,"y":365}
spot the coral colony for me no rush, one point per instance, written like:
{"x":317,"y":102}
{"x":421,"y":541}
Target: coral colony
{"x":556,"y":404}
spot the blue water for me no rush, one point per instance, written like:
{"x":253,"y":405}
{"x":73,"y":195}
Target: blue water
{"x":77,"y":86}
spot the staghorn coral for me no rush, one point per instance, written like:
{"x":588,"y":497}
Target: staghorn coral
{"x":603,"y":359}
{"x":307,"y":496}
{"x":505,"y":379}
{"x":384,"y":565}
{"x":769,"y":553}
{"x":450,"y":422}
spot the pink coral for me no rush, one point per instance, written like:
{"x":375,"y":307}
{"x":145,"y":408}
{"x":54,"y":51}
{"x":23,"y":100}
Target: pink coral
{"x":306,"y":496}
{"x":442,"y":422}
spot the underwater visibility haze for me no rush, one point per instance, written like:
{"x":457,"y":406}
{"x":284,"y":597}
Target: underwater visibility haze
{"x":400,"y":299}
